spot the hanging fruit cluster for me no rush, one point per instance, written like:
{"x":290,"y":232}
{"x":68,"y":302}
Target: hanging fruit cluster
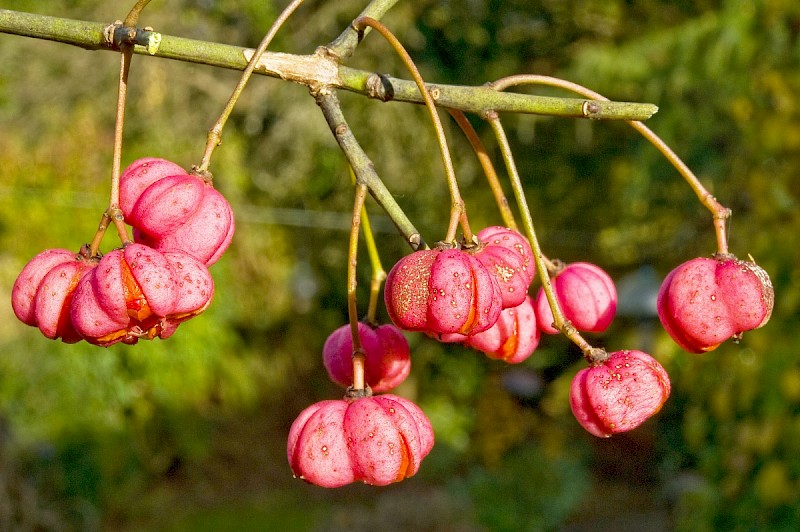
{"x":474,"y":291}
{"x":145,"y":288}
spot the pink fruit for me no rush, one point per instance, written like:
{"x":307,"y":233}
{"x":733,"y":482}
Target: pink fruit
{"x":377,"y":440}
{"x":618,"y":394}
{"x":442,"y":291}
{"x":387,"y":357}
{"x":508,"y":256}
{"x":705,"y":301}
{"x":139,"y":175}
{"x":43,"y":292}
{"x":172,"y":210}
{"x":587,"y":296}
{"x":513,"y":338}
{"x":138,"y":292}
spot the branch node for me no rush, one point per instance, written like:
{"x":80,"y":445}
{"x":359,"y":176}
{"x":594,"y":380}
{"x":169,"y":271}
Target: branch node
{"x":379,"y":87}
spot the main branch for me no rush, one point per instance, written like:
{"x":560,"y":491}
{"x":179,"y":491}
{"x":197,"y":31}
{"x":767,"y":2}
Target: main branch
{"x":322,"y":69}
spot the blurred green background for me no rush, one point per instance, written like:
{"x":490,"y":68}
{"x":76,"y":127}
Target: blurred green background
{"x":190,"y":433}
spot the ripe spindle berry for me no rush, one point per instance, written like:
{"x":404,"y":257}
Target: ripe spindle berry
{"x":377,"y":440}
{"x":43,"y":291}
{"x":387,"y":360}
{"x":587,"y":296}
{"x":705,"y":301}
{"x":442,"y":291}
{"x":618,"y":394}
{"x":170,"y":209}
{"x":138,"y":292}
{"x":508,"y":256}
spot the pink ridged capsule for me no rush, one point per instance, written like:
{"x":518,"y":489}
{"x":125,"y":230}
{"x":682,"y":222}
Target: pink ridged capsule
{"x":43,"y":291}
{"x":387,"y":358}
{"x":442,"y":291}
{"x":618,"y":394}
{"x":513,"y":338}
{"x":508,"y":256}
{"x":172,"y":210}
{"x":139,"y":175}
{"x":138,"y":292}
{"x":705,"y":301}
{"x":377,"y":440}
{"x":587,"y":296}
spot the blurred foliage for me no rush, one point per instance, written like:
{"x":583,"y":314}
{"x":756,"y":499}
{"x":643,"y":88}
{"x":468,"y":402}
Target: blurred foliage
{"x":189,"y":433}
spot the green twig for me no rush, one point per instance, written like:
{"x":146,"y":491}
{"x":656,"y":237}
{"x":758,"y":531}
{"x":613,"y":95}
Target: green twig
{"x":321,"y":69}
{"x":363,"y":167}
{"x":343,"y":46}
{"x":215,"y":133}
{"x":458,"y":211}
{"x":720,"y":213}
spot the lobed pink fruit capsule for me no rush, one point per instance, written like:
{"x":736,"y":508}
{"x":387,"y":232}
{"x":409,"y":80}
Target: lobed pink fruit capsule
{"x":508,"y":256}
{"x":172,"y":210}
{"x":387,"y":357}
{"x":705,"y":301}
{"x":513,"y":338}
{"x":587,"y":296}
{"x":618,"y":394}
{"x":139,"y":175}
{"x":442,"y":291}
{"x":43,"y":291}
{"x":377,"y":440}
{"x":138,"y":292}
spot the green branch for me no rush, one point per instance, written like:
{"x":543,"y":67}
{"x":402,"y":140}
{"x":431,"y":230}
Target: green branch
{"x":322,"y":69}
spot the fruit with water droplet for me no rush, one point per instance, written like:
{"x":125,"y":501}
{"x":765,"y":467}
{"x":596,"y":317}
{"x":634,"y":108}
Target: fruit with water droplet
{"x":172,"y":210}
{"x":619,"y":393}
{"x":587,"y":296}
{"x":387,"y":360}
{"x":705,"y":301}
{"x":377,"y":440}
{"x":508,"y":256}
{"x":441,"y":291}
{"x":43,"y":291}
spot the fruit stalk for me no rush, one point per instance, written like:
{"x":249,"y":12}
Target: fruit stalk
{"x":719,"y":212}
{"x":488,"y":168}
{"x":458,"y":213}
{"x":215,"y":133}
{"x":352,"y":283}
{"x":378,"y":273}
{"x":561,"y":323}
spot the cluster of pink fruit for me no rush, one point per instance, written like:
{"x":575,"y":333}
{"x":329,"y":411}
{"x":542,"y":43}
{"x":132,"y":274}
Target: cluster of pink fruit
{"x":477,"y":296}
{"x":378,"y":439}
{"x":145,"y":289}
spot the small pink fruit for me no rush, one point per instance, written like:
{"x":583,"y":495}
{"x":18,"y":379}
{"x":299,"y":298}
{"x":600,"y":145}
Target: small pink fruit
{"x":507,"y":254}
{"x":618,"y":394}
{"x":377,"y":440}
{"x":387,"y":356}
{"x":587,"y":296}
{"x":172,"y":210}
{"x":42,"y":294}
{"x":705,"y":301}
{"x":139,"y":175}
{"x":138,"y":292}
{"x":512,"y":339}
{"x":442,"y":291}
